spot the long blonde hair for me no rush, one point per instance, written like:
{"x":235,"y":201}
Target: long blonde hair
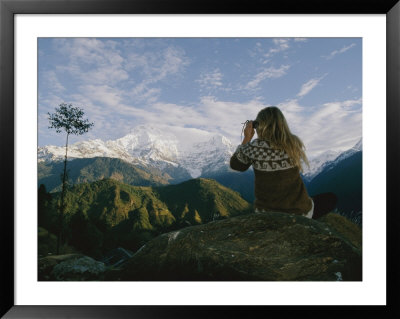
{"x":273,"y":128}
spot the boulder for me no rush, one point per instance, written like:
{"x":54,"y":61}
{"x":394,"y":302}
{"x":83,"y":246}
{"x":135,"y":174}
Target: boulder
{"x":253,"y":247}
{"x":47,"y":264}
{"x":79,"y":269}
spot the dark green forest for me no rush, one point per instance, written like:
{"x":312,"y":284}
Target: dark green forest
{"x":106,"y":214}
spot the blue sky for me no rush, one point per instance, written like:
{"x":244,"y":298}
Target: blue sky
{"x":212,"y":84}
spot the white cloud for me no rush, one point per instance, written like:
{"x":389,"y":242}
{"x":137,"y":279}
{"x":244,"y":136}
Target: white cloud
{"x":300,"y":39}
{"x":349,"y":103}
{"x":291,"y":107}
{"x":309,"y":85}
{"x":49,"y":102}
{"x":340,"y":51}
{"x":225,"y":117}
{"x":333,"y":126}
{"x":91,"y":61}
{"x":108,"y":63}
{"x":210,"y":80}
{"x":157,"y":65}
{"x":120,"y":88}
{"x":154,"y":67}
{"x":267,"y":73}
{"x":263,"y":55}
{"x":110,"y":74}
{"x":209,"y":115}
{"x":104,"y":94}
{"x":174,"y":62}
{"x":280,"y":45}
{"x":52,"y":82}
{"x":87,"y":51}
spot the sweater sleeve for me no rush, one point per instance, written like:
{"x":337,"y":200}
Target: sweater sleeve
{"x":240,"y":161}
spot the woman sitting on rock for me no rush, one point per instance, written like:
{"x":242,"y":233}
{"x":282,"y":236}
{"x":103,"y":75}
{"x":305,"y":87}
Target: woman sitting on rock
{"x":277,"y":156}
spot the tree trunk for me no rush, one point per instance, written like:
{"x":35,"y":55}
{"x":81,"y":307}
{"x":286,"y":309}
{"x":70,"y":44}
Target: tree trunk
{"x":61,"y":216}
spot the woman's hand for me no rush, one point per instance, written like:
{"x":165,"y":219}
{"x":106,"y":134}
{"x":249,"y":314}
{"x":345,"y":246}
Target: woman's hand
{"x":248,"y":132}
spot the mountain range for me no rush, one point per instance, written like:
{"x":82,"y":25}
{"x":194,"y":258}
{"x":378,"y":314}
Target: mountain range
{"x":328,"y":160}
{"x":182,"y":154}
{"x":343,"y":176}
{"x":147,"y":156}
{"x":193,"y":154}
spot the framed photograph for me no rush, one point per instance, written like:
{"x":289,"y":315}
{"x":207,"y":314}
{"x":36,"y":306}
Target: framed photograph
{"x":184,"y":78}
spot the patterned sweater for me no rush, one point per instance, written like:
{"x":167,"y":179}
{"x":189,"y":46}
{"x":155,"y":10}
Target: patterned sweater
{"x":278,"y":185}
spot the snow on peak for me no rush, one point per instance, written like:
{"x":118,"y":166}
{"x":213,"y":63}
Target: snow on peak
{"x":192,"y":149}
{"x":329,"y":158}
{"x":150,"y":143}
{"x":316,"y":163}
{"x":198,"y":151}
{"x":358,"y":146}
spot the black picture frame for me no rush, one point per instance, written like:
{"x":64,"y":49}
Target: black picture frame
{"x":8,"y":8}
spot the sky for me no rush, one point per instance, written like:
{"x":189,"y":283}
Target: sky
{"x":207,"y":84}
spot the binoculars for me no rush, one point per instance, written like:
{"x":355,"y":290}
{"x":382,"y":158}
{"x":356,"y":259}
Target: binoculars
{"x":254,"y":123}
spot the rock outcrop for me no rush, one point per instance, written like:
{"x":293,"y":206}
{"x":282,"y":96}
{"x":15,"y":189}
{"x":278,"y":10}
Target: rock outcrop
{"x":71,"y":267}
{"x":253,"y":247}
{"x":47,"y":264}
{"x":80,"y":269}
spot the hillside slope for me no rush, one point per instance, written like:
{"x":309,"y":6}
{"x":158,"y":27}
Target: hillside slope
{"x":202,"y":200}
{"x":92,"y":169}
{"x":345,"y":180}
{"x":106,"y":214}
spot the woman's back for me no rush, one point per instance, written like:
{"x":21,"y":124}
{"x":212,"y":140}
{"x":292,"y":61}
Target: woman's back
{"x":278,"y":185}
{"x":277,"y":157}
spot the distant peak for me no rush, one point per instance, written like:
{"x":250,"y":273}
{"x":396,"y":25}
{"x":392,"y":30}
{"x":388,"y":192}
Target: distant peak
{"x":223,"y":139}
{"x":358,"y":146}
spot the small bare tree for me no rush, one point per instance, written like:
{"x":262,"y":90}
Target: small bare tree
{"x":69,"y":119}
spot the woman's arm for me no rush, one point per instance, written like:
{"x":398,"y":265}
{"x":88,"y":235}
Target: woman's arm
{"x":248,"y":132}
{"x":239,"y":160}
{"x":239,"y":165}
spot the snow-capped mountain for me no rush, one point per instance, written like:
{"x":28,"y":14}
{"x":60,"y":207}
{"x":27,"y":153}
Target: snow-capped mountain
{"x":209,"y":156}
{"x":85,"y":149}
{"x":317,"y":163}
{"x":328,"y":160}
{"x":193,"y":150}
{"x":187,"y":150}
{"x":343,"y":177}
{"x":356,"y":148}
